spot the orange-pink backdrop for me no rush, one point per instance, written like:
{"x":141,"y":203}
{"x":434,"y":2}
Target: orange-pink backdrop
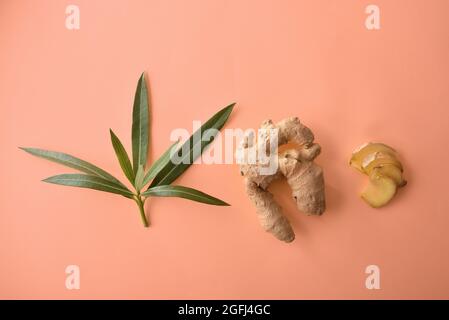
{"x":62,"y":90}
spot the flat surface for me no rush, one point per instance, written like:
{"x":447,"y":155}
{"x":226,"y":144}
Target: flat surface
{"x":63,"y":89}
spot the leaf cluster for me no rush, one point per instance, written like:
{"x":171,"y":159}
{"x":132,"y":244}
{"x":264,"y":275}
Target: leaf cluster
{"x":159,"y":175}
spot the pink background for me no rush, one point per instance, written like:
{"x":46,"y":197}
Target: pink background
{"x":62,"y":90}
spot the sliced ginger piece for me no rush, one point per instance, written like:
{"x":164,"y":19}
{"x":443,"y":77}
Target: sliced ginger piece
{"x":380,"y":190}
{"x":381,"y":163}
{"x":392,"y":172}
{"x":378,"y":159}
{"x":368,"y":150}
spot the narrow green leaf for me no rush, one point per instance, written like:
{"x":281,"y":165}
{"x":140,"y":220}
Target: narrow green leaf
{"x":140,"y":125}
{"x":195,"y":146}
{"x":183,"y":192}
{"x":139,"y":178}
{"x":91,"y":182}
{"x":73,"y":162}
{"x":122,"y":157}
{"x":159,"y":164}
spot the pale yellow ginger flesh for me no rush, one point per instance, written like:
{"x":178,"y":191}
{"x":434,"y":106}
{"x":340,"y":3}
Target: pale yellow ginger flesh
{"x":393,"y":172}
{"x":380,"y":162}
{"x":380,"y":190}
{"x":378,"y":159}
{"x":304,"y":177}
{"x":366,"y":152}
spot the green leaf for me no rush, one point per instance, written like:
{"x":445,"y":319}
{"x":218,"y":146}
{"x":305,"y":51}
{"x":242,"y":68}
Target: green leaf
{"x":171,"y":171}
{"x":159,"y":164}
{"x":139,"y":178}
{"x":91,"y":182}
{"x":183,"y":192}
{"x":140,"y":125}
{"x":73,"y":162}
{"x":122,"y":157}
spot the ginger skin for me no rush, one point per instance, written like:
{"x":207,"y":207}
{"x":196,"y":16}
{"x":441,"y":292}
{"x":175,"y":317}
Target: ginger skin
{"x":304,"y":177}
{"x":306,"y":181}
{"x":269,"y":212}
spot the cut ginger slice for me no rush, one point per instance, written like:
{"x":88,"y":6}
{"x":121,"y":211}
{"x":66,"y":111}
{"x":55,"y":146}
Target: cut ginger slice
{"x":391,"y":171}
{"x":379,"y":159}
{"x":364,"y":152}
{"x":380,"y":190}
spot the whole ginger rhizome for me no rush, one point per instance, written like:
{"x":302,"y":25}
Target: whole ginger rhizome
{"x":261,"y":163}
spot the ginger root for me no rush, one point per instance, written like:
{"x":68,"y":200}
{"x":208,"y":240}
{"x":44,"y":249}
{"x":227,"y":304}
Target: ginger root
{"x":304,"y":177}
{"x":380,"y":162}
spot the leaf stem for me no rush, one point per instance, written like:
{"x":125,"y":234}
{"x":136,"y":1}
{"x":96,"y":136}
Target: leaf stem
{"x":140,"y":204}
